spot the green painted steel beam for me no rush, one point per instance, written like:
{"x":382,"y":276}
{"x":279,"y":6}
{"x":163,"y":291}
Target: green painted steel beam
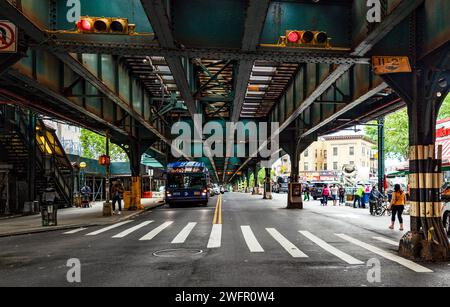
{"x":395,"y":17}
{"x":157,"y":14}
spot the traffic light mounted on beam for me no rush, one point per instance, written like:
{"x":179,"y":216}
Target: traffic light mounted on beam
{"x":105,"y":25}
{"x":302,"y":38}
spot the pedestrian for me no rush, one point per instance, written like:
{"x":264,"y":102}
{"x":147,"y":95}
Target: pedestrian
{"x":117,"y":196}
{"x":86,"y":193}
{"x":334,"y":194}
{"x":358,"y":194}
{"x":325,"y":194}
{"x":341,"y":196}
{"x":307,"y":193}
{"x":49,"y":196}
{"x":397,"y":206}
{"x":374,"y":197}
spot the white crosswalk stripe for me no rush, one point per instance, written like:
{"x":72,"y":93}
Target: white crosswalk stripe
{"x":286,"y":244}
{"x":155,"y":231}
{"x":215,"y":239}
{"x":107,"y":228}
{"x":402,"y":261}
{"x":331,"y":249}
{"x":386,"y":240}
{"x":75,"y":231}
{"x":125,"y":233}
{"x":183,"y":235}
{"x":250,"y":239}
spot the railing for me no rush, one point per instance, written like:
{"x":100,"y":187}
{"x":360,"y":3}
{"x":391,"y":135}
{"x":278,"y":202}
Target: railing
{"x":48,"y":149}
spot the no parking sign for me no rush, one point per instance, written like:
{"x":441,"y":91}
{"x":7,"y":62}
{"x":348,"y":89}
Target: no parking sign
{"x":8,"y":37}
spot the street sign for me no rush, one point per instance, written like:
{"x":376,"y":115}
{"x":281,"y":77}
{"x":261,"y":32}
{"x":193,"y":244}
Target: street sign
{"x":390,"y":64}
{"x":8,"y":37}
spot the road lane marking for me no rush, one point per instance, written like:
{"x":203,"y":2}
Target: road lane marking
{"x":218,"y":211}
{"x":385,"y":240}
{"x":107,"y":228}
{"x":156,"y":231}
{"x":215,"y":239}
{"x":74,"y":231}
{"x":125,"y":233}
{"x":402,"y":261}
{"x":331,"y":249}
{"x":182,"y":236}
{"x":286,"y":244}
{"x":250,"y":239}
{"x":348,"y":216}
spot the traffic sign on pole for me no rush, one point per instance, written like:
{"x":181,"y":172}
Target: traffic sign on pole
{"x":8,"y":37}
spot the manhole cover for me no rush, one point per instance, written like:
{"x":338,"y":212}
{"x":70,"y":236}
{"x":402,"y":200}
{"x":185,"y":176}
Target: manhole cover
{"x":173,"y":253}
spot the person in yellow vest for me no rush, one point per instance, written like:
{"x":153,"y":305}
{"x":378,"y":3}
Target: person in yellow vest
{"x":398,"y":206}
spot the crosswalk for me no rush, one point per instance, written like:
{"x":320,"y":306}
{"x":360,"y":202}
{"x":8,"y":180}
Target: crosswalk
{"x":255,"y":241}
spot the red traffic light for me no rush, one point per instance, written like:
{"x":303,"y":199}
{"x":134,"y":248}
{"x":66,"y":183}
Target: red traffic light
{"x":293,"y":37}
{"x":85,"y":25}
{"x":104,"y":160}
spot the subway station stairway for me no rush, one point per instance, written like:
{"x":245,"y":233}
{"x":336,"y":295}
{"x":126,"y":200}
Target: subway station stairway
{"x":52,"y":166}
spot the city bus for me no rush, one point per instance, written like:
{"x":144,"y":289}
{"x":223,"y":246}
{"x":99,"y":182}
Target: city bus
{"x":187,"y":183}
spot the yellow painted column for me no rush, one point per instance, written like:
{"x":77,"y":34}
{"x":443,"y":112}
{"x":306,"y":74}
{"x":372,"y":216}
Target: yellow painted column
{"x":136,"y":194}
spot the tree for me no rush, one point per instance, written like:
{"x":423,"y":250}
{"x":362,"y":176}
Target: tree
{"x":93,"y":146}
{"x":396,"y":135}
{"x":397,"y":131}
{"x":444,"y":112}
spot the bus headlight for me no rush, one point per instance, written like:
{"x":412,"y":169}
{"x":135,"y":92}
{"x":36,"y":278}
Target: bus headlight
{"x":203,"y":194}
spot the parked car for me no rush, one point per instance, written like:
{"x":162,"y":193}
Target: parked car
{"x":281,"y":185}
{"x":446,"y":217}
{"x":316,"y":188}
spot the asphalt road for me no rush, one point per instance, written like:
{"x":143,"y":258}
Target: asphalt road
{"x":258,"y":243}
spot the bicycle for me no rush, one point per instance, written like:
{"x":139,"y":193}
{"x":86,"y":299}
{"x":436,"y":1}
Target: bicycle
{"x":381,"y":208}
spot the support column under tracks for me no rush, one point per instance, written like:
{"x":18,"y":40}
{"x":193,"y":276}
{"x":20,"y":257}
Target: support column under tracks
{"x":424,"y":90}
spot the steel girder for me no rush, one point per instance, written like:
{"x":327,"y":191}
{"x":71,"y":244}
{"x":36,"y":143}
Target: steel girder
{"x":347,"y":108}
{"x":37,"y":34}
{"x":158,"y":17}
{"x":279,"y":55}
{"x":254,"y":23}
{"x":81,"y":70}
{"x":404,"y":9}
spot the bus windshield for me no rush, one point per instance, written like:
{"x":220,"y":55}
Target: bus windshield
{"x":187,"y":181}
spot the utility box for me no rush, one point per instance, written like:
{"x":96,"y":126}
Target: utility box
{"x":49,"y":213}
{"x":268,"y":190}
{"x":295,"y":200}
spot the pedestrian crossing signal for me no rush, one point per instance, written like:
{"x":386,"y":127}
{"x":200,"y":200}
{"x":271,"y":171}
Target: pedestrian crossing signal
{"x":105,"y":25}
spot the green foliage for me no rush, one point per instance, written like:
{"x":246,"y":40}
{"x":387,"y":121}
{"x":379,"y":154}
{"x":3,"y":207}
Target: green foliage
{"x":444,"y":112}
{"x":396,"y":131}
{"x":93,"y":146}
{"x":396,"y":135}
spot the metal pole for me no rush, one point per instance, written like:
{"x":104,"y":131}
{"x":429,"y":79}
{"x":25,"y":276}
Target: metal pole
{"x":381,"y":154}
{"x":107,"y":170}
{"x":107,"y":207}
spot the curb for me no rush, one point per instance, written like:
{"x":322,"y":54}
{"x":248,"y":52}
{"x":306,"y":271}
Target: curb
{"x":68,"y":227}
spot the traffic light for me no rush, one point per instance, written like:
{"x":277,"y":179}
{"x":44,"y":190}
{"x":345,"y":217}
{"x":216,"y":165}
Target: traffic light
{"x":104,"y":160}
{"x":105,"y":25}
{"x":302,"y":38}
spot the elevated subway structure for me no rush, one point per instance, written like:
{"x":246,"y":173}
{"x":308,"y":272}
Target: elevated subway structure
{"x":223,"y":60}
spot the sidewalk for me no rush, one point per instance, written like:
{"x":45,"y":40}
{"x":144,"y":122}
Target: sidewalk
{"x":71,"y":218}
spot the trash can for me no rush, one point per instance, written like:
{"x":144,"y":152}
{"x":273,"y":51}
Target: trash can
{"x":49,"y":214}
